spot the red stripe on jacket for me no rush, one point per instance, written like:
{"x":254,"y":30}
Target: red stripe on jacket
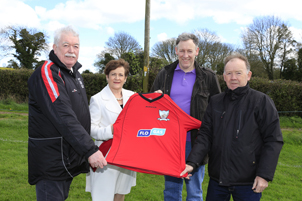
{"x":50,"y":84}
{"x":61,"y":76}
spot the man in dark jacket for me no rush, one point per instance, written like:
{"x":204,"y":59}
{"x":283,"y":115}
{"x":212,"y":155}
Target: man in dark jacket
{"x":59,"y":144}
{"x":190,"y":87}
{"x":241,"y":133}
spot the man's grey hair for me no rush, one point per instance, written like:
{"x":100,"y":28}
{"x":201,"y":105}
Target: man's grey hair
{"x":187,"y":36}
{"x":64,"y":30}
{"x":237,"y":55}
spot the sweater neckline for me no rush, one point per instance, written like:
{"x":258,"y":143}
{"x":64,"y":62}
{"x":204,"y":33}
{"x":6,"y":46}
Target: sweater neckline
{"x":151,"y":97}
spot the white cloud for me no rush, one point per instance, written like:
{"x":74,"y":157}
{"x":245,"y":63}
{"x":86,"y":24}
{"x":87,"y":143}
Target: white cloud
{"x":222,"y":39}
{"x":14,"y":12}
{"x":110,"y":30}
{"x":4,"y":61}
{"x":223,"y":11}
{"x":52,"y":26}
{"x":178,"y":10}
{"x":94,"y":13}
{"x":40,"y":10}
{"x":297,"y":33}
{"x":88,"y":56}
{"x":162,"y":37}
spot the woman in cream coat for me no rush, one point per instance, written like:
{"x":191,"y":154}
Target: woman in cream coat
{"x":110,"y":182}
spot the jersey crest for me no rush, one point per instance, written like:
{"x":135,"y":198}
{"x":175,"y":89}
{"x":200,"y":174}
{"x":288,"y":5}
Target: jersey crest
{"x":163,"y":115}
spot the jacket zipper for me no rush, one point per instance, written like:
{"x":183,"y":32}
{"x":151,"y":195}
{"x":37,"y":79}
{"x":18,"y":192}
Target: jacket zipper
{"x":238,"y":129}
{"x":222,"y":115}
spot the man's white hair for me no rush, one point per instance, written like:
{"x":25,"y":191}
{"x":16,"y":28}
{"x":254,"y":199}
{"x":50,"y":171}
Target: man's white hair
{"x":64,"y":30}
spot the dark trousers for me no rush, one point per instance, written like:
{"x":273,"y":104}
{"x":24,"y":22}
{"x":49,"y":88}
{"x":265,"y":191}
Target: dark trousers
{"x":223,"y":193}
{"x":48,"y":190}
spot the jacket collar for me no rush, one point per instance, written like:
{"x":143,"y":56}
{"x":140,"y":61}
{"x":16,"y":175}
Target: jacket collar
{"x":170,"y":68}
{"x":53,"y":57}
{"x":238,"y":92}
{"x":112,"y":105}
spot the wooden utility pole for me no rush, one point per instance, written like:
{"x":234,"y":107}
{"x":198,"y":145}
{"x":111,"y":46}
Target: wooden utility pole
{"x":147,"y":47}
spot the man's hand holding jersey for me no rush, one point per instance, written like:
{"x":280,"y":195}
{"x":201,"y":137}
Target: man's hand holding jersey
{"x":188,"y":169}
{"x":97,"y":160}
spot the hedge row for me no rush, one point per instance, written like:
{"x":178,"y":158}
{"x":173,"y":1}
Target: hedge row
{"x":286,"y":94}
{"x":13,"y":83}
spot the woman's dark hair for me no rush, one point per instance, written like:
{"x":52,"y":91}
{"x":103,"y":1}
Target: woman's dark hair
{"x":114,"y":64}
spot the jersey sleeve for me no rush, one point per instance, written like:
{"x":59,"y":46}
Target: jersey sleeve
{"x":188,"y":121}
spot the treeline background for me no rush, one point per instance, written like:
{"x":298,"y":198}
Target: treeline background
{"x":274,"y":54}
{"x":267,"y":42}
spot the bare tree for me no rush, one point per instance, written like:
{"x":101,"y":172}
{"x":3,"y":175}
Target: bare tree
{"x":267,"y":37}
{"x":165,"y":50}
{"x":119,"y":44}
{"x":216,"y":53}
{"x":288,"y":49}
{"x":211,"y":50}
{"x":257,"y":67}
{"x":206,"y":41}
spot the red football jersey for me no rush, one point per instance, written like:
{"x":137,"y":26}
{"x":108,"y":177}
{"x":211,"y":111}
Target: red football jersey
{"x":150,"y":135}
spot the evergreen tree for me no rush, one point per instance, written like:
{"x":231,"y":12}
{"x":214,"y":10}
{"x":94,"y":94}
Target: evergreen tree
{"x":101,"y":63}
{"x":27,"y":45}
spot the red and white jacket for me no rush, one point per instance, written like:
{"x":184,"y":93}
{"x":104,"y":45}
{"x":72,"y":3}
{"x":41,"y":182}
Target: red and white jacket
{"x":59,"y":143}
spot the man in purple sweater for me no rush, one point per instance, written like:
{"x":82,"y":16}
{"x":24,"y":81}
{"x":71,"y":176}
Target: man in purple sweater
{"x":190,"y":87}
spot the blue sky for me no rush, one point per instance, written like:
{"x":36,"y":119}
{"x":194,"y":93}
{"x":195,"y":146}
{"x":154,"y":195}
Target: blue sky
{"x":97,"y":20}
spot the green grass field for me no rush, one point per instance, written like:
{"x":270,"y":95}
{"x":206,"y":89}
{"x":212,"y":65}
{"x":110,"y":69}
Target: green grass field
{"x":287,"y":184}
